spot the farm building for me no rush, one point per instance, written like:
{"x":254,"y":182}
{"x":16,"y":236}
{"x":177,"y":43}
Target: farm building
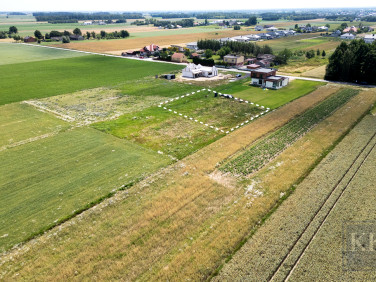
{"x":267,"y":78}
{"x":350,"y":29}
{"x":29,"y":39}
{"x":234,"y":60}
{"x":195,"y":71}
{"x":259,"y":28}
{"x":179,"y":58}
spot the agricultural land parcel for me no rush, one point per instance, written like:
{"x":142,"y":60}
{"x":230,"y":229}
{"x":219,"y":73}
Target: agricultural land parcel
{"x":293,"y":217}
{"x":176,"y":136}
{"x":160,"y":215}
{"x":61,"y":76}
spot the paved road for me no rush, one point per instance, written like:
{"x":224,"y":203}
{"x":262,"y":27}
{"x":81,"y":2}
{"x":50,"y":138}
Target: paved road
{"x":183,"y":64}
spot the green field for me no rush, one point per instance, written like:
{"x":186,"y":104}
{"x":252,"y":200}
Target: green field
{"x":55,"y":177}
{"x":269,"y":98}
{"x":20,"y":122}
{"x":17,"y":53}
{"x":166,"y":131}
{"x":24,"y":81}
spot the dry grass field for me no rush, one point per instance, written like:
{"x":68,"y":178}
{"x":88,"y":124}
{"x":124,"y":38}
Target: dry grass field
{"x":120,"y":45}
{"x":162,"y":228}
{"x":263,"y":253}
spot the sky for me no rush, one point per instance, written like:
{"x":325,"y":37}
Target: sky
{"x":152,"y":5}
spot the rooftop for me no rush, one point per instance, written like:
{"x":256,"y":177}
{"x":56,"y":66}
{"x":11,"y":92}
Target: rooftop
{"x":263,"y":70}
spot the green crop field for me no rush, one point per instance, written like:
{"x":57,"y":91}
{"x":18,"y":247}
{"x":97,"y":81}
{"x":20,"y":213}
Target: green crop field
{"x":57,"y":176}
{"x":17,"y":53}
{"x":269,"y":98}
{"x":19,"y":122}
{"x":24,"y":81}
{"x":265,"y":150}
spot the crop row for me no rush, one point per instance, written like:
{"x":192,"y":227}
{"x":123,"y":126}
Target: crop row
{"x":265,"y":150}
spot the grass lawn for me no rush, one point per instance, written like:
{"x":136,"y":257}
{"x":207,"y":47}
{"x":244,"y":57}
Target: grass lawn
{"x":18,"y":53}
{"x":62,"y":174}
{"x":19,"y":122}
{"x":269,"y":98}
{"x":175,"y":135}
{"x":20,"y":82}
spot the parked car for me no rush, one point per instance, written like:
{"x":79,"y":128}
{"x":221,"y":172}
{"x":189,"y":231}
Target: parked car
{"x":238,"y":75}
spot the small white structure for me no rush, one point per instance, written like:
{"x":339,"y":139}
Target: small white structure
{"x":226,"y":39}
{"x":194,"y":71}
{"x":323,"y":28}
{"x":348,"y":36}
{"x":87,"y":23}
{"x":369,"y":38}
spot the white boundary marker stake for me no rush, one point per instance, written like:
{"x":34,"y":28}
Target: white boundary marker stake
{"x":227,"y":96}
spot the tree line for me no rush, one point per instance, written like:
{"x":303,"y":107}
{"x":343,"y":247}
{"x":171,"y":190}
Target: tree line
{"x":245,"y":48}
{"x":168,"y":24}
{"x":65,"y":16}
{"x":353,"y":62}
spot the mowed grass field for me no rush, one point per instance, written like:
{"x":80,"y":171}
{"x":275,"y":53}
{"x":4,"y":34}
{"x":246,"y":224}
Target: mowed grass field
{"x":48,"y":180}
{"x":31,"y":80}
{"x":269,"y":98}
{"x":20,"y":122}
{"x":19,"y":53}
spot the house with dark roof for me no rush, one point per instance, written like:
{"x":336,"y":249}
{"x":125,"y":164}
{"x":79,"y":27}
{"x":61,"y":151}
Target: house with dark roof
{"x":267,"y":78}
{"x":149,"y":50}
{"x":29,"y":39}
{"x":76,"y":37}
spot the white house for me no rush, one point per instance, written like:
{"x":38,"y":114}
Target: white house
{"x":241,"y":38}
{"x":272,"y":28}
{"x":348,"y":36}
{"x":369,"y":38}
{"x":225,"y":39}
{"x":194,"y":71}
{"x":192,"y":46}
{"x":253,"y":37}
{"x":87,"y":23}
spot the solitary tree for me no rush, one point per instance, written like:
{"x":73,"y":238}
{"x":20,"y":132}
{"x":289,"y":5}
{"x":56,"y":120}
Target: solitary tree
{"x":77,"y":31}
{"x":38,"y":34}
{"x":93,"y":34}
{"x":318,"y":52}
{"x":323,"y":53}
{"x":208,"y":53}
{"x":124,"y":33}
{"x":13,"y":29}
{"x":66,"y":39}
{"x":103,"y":34}
{"x":236,"y":27}
{"x":251,"y":21}
{"x":88,"y":34}
{"x":310,"y":54}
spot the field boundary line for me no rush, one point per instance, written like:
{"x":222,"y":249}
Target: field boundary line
{"x":29,"y":140}
{"x":220,"y":95}
{"x":322,"y":206}
{"x":46,"y":110}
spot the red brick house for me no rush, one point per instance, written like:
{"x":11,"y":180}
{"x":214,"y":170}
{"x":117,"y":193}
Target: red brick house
{"x":29,"y":39}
